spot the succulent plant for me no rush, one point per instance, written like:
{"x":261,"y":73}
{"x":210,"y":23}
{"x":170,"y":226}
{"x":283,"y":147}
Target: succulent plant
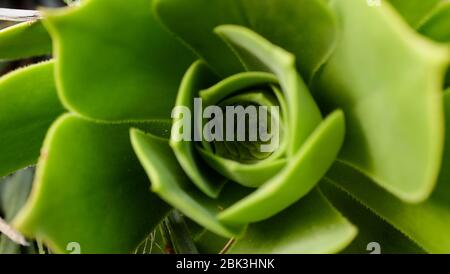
{"x":363,"y":97}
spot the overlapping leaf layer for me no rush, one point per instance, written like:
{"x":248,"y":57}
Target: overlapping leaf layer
{"x":363,"y":150}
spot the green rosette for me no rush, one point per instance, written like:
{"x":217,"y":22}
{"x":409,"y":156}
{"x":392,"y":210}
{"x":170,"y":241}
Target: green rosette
{"x":356,"y":107}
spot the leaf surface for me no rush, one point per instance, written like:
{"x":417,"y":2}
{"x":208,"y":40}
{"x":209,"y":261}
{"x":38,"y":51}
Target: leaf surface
{"x":115,"y":62}
{"x":437,"y":26}
{"x":90,"y":189}
{"x":307,"y":28}
{"x":390,"y":93}
{"x":371,"y":228}
{"x":170,"y":182}
{"x":24,"y":40}
{"x":426,"y":223}
{"x":414,"y":11}
{"x":28,"y":105}
{"x":311,"y":225}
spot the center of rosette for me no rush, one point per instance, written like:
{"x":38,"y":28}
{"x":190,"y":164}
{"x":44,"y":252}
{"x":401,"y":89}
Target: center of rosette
{"x":249,"y":109}
{"x":251,"y":127}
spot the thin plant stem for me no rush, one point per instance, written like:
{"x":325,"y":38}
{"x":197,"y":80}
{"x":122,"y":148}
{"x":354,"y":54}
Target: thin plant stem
{"x":12,"y":234}
{"x":167,"y":241}
{"x":40,"y":246}
{"x":180,"y":235}
{"x":227,"y":246}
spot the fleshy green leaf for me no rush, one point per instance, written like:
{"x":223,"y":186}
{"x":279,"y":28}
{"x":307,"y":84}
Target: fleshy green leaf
{"x":90,"y":189}
{"x":388,"y":80}
{"x":437,"y":26}
{"x":170,"y":182}
{"x":28,"y":106}
{"x":249,"y":175}
{"x":311,"y":225}
{"x":306,"y":28}
{"x":296,"y":179}
{"x":197,"y":78}
{"x":235,"y":84}
{"x":211,"y":243}
{"x":414,"y":11}
{"x":258,"y":54}
{"x":426,"y":223}
{"x":114,"y":61}
{"x":371,"y":228}
{"x":24,"y":40}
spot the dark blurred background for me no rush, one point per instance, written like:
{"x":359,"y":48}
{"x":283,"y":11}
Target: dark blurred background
{"x":30,"y":4}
